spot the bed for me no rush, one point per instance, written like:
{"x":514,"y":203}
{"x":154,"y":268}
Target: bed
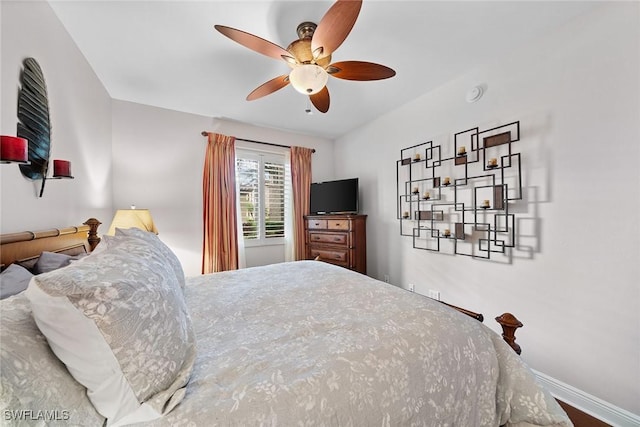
{"x":303,"y":343}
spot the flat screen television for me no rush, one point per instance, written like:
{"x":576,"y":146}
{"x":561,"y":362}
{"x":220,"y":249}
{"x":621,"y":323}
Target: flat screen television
{"x":340,"y":196}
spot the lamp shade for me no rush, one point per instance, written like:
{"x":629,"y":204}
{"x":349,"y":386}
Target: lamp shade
{"x":308,"y":79}
{"x":132,"y":218}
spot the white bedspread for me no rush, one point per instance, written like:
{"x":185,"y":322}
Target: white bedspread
{"x":310,"y":344}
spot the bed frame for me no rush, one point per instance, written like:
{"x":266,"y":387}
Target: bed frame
{"x":25,"y":247}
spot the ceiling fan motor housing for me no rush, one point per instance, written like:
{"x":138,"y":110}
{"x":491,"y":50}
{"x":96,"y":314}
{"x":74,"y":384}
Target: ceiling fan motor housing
{"x":301,"y":48}
{"x":306,"y":30}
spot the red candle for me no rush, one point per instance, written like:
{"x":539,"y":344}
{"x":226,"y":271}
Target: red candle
{"x":13,"y":149}
{"x":62,"y":168}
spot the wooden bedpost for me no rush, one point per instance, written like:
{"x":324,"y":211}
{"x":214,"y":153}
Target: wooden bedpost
{"x":93,"y":232}
{"x":509,"y":325}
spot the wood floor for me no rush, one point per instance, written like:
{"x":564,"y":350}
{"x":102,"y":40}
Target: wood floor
{"x":580,"y":419}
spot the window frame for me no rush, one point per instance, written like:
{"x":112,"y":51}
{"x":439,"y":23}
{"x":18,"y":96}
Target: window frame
{"x":262,"y":158}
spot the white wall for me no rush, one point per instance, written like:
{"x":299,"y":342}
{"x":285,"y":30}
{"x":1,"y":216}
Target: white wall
{"x":158,"y":156}
{"x":577,"y":95}
{"x":80,"y":113}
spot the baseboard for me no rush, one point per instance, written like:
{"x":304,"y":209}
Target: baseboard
{"x":589,"y":404}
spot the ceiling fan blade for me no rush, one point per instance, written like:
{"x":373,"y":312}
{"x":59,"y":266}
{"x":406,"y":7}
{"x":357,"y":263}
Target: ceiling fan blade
{"x":269,"y":87}
{"x":252,"y":42}
{"x":320,"y":100}
{"x":359,"y":70}
{"x":335,"y":26}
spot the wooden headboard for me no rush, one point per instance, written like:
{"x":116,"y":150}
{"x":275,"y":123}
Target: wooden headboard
{"x":26,"y":246}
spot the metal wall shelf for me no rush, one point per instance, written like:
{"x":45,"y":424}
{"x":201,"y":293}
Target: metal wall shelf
{"x":466,"y":193}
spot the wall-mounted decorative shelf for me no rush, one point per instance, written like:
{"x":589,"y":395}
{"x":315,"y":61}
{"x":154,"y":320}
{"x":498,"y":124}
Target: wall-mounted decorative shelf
{"x":469,"y":192}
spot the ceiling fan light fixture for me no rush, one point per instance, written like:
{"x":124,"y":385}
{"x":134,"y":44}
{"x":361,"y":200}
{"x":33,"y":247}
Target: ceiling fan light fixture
{"x":308,"y":79}
{"x":310,"y":55}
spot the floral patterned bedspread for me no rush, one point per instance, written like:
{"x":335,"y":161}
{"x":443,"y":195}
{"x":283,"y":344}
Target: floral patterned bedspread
{"x":311,"y":344}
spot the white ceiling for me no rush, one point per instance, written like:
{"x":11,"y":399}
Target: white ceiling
{"x":167,"y":53}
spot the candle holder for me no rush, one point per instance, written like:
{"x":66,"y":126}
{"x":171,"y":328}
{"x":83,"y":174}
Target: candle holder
{"x":469,"y":193}
{"x":32,"y":145}
{"x":19,"y":162}
{"x":61,"y":169}
{"x":13,"y":149}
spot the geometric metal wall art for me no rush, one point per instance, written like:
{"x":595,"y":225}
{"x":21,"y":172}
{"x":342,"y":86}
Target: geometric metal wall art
{"x":456,"y":201}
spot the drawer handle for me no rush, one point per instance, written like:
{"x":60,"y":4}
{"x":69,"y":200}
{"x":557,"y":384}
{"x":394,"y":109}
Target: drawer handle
{"x":337,"y":256}
{"x":337,"y":224}
{"x":336,"y":239}
{"x":316,"y":223}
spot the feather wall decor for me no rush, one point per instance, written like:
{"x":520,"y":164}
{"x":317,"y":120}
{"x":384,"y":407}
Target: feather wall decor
{"x":34,"y":124}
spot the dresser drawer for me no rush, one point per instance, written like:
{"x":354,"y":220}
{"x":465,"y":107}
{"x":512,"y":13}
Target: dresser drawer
{"x":328,"y":238}
{"x":317,"y":224}
{"x":337,"y":256}
{"x":338,"y":224}
{"x":339,"y":239}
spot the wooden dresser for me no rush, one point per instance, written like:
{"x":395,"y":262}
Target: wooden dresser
{"x":338,"y":239}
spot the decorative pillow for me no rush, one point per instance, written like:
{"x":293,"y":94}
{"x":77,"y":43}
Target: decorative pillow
{"x":13,"y":280}
{"x":153,"y":239}
{"x":119,"y":321}
{"x":34,"y":382}
{"x":49,"y":261}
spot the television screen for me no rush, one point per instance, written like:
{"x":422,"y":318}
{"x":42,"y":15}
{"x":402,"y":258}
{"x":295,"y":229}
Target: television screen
{"x":339,"y":196}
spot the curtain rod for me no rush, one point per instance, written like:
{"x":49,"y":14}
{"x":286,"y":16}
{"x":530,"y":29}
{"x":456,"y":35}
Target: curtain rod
{"x":205,"y":133}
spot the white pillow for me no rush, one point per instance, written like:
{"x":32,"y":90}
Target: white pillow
{"x":13,"y":280}
{"x":154,"y":240}
{"x":32,"y":378}
{"x":119,"y":321}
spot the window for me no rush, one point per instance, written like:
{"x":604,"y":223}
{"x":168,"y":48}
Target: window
{"x":261,"y":181}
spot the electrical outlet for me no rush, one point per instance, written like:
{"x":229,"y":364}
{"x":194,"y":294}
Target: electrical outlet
{"x":386,"y":278}
{"x":434,"y":294}
{"x":412,"y":287}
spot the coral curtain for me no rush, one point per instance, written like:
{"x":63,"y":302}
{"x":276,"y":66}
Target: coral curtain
{"x":301,"y":189}
{"x":219,"y":246}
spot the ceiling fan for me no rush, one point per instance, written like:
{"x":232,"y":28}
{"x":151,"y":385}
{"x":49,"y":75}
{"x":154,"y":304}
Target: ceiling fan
{"x":310,"y":56}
